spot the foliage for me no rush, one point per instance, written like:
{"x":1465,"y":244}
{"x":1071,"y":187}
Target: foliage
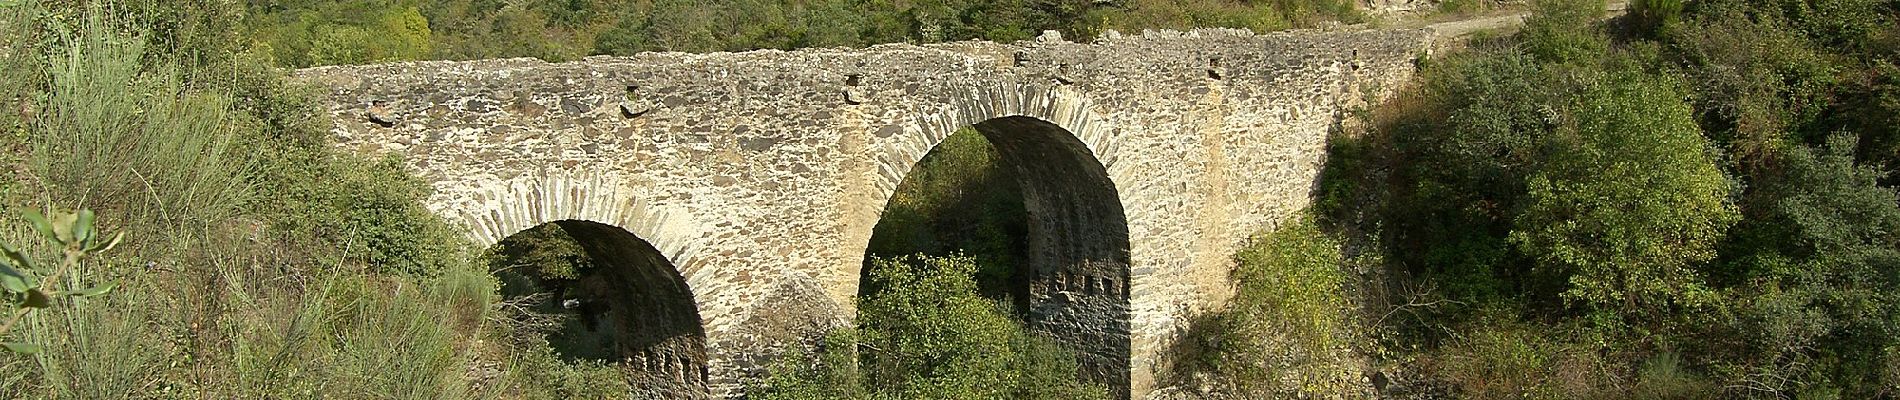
{"x":830,"y":370}
{"x":1564,"y":30}
{"x":927,"y":334}
{"x":1568,"y":192}
{"x":1497,"y":356}
{"x":362,"y":31}
{"x":1631,"y":204}
{"x":1482,"y":128}
{"x":546,"y":252}
{"x":1286,"y":332}
{"x":1653,"y":16}
{"x":533,"y":369}
{"x":258,"y":263}
{"x":550,"y":355}
{"x":29,"y":285}
{"x":1814,"y":271}
{"x":1464,"y":7}
{"x":343,"y":32}
{"x":959,"y":199}
{"x":123,"y":126}
{"x":1258,"y":16}
{"x":1757,"y":83}
{"x":1694,"y":211}
{"x":369,"y":208}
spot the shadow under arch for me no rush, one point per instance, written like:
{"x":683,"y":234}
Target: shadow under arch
{"x":623,"y":300}
{"x":1073,"y":274}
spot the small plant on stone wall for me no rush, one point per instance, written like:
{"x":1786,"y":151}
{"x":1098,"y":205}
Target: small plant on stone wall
{"x":24,"y":288}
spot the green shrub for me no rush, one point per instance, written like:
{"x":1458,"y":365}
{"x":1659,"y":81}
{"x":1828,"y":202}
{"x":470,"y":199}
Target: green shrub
{"x":1667,"y":377}
{"x":1696,"y":216}
{"x":1499,"y":357}
{"x":360,"y":31}
{"x":371,"y":209}
{"x":927,"y":334}
{"x":347,"y":32}
{"x":1287,"y":330}
{"x":1758,"y":84}
{"x":959,"y":200}
{"x":27,"y":284}
{"x":246,"y":272}
{"x":1484,"y":125}
{"x":1656,"y":16}
{"x":1565,"y":30}
{"x":1819,"y":260}
{"x":1462,"y":7}
{"x":112,"y":131}
{"x":1633,"y":202}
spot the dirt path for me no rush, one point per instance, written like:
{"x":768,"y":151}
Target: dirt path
{"x":1448,"y":30}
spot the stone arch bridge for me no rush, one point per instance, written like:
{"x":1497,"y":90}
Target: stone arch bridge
{"x":753,"y":180}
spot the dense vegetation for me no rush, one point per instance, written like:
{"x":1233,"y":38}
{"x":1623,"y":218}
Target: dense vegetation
{"x":1287,"y":331}
{"x":1689,"y":202}
{"x":258,"y":263}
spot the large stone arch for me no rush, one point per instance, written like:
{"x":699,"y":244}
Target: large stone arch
{"x":1078,"y":260}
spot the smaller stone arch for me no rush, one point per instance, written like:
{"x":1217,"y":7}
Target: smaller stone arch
{"x":491,"y":208}
{"x":628,"y":304}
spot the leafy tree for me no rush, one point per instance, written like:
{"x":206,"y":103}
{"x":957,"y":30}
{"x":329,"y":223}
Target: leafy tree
{"x":959,"y":200}
{"x":361,"y":31}
{"x":1654,"y":16}
{"x":348,"y":32}
{"x":1632,"y":203}
{"x":1709,"y":205}
{"x":1484,"y":128}
{"x":544,"y":252}
{"x":1755,"y":81}
{"x":1816,"y":271}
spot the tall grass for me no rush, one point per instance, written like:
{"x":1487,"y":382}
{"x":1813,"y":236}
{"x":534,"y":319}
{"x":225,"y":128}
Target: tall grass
{"x":221,"y":296}
{"x":121,"y":133}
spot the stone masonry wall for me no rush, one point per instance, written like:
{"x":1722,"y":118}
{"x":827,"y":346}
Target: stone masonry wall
{"x":760,"y":174}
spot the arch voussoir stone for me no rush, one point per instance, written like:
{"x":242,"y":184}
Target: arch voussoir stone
{"x":1066,"y":109}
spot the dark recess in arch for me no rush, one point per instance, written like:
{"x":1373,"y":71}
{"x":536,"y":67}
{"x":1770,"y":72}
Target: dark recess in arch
{"x":1071,"y":281}
{"x":629,"y":306}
